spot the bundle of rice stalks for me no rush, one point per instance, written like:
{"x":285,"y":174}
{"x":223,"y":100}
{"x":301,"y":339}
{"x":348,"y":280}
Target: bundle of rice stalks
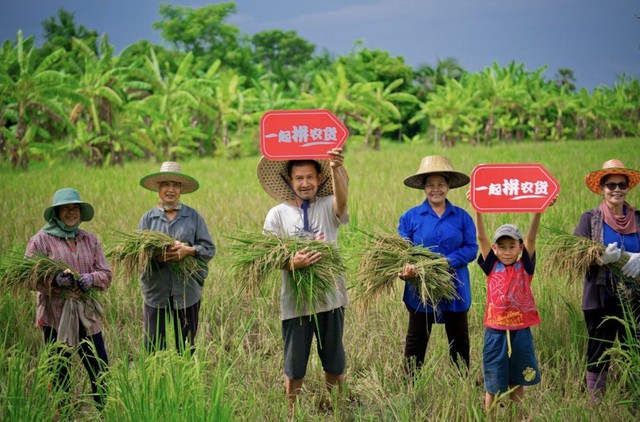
{"x":133,"y":253}
{"x":16,"y":271}
{"x":254,"y":256}
{"x":570,"y":256}
{"x":385,"y":256}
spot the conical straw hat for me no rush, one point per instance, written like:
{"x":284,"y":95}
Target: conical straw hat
{"x":440,"y":164}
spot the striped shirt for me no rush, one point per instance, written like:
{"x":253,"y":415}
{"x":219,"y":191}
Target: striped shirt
{"x":87,"y":258}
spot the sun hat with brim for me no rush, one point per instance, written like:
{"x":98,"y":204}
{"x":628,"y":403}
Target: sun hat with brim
{"x":440,"y":164}
{"x":68,"y":196}
{"x":170,"y":171}
{"x":273,"y":177}
{"x":613,"y":166}
{"x":507,"y":230}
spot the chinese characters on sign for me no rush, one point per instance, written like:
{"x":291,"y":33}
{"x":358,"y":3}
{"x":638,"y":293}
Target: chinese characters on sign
{"x":308,"y":137}
{"x":512,"y":188}
{"x":517,"y":189}
{"x":300,"y":134}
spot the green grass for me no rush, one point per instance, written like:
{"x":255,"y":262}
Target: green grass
{"x":237,"y":370}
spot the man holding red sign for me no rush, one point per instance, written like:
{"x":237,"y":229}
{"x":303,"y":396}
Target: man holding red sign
{"x":313,"y":205}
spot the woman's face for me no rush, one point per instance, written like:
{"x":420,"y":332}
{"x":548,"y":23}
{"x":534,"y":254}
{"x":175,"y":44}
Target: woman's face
{"x":169,"y":192}
{"x":69,"y":214}
{"x":436,"y":189}
{"x":612,"y":192}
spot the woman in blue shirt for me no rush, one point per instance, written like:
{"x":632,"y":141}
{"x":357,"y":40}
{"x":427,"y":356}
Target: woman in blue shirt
{"x":450,"y":231}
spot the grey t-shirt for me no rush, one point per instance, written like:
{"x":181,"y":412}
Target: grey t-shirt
{"x":287,"y":220}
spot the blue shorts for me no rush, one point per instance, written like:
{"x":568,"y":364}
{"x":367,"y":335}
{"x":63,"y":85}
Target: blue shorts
{"x":298,"y":333}
{"x":499,"y":369}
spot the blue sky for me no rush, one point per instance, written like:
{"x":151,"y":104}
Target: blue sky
{"x":599,"y":40}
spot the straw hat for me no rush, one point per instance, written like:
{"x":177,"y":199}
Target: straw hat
{"x":68,"y":196}
{"x":170,"y":171}
{"x":436,"y":164}
{"x":273,"y":177}
{"x":613,"y":166}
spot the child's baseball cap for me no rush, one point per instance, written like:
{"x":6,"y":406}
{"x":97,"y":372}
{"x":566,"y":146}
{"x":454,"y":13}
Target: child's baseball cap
{"x":509,"y":230}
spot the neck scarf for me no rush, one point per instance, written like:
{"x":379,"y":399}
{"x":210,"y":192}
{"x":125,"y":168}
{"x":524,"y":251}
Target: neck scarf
{"x":169,"y":207}
{"x":623,"y":224}
{"x":56,"y":227}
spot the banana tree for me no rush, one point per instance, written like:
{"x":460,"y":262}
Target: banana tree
{"x":32,"y":97}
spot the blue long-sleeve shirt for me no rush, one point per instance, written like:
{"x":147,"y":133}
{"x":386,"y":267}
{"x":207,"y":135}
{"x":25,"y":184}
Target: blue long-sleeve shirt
{"x":453,"y":235}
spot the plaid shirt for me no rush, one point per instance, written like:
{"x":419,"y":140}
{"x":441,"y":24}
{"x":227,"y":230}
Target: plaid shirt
{"x":87,"y":258}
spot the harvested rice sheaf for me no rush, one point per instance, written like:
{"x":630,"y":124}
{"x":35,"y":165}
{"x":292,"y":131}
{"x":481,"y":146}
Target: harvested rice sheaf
{"x":254,"y":256}
{"x":17,"y":271}
{"x":570,"y":256}
{"x":132,"y":253}
{"x":385,"y":256}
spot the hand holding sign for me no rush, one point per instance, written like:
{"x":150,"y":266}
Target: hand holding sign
{"x":512,"y":188}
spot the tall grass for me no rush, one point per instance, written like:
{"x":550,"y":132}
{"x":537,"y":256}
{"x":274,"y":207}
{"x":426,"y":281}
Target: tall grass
{"x":236,"y":372}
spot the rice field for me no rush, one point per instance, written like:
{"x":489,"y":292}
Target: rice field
{"x":236,"y":372}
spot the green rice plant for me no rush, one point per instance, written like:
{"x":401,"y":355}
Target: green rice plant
{"x":134,"y":252}
{"x":255,"y":255}
{"x":385,"y":255}
{"x":18,"y":271}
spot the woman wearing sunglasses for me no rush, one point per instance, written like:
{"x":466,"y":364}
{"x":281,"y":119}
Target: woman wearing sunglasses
{"x":616,"y":224}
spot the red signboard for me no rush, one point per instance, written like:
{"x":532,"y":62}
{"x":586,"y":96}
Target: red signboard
{"x":512,"y":188}
{"x":300,"y":134}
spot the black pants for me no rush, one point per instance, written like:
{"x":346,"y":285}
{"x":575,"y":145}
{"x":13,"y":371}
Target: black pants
{"x":420,"y":323}
{"x":185,"y":325}
{"x":602,"y":332}
{"x":94,"y":358}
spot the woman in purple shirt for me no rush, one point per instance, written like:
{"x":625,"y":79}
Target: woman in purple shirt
{"x":64,"y":310}
{"x":450,"y":231}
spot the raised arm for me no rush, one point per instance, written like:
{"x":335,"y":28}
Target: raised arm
{"x":339,"y":180}
{"x":530,"y":238}
{"x":483,"y":240}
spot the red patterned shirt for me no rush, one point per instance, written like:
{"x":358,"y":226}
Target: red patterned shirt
{"x":510,"y":304}
{"x":88,"y":257}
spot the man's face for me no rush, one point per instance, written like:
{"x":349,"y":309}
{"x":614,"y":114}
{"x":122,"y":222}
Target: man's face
{"x":169,"y":192}
{"x":305,"y":181}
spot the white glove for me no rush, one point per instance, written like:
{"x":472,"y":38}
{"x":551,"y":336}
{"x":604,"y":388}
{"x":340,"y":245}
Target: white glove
{"x":611,"y":254}
{"x":632,"y":267}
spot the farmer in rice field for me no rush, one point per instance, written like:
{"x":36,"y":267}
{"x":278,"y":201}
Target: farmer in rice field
{"x":508,"y":357}
{"x":65,"y":310}
{"x":615,"y":223}
{"x":313,"y":204}
{"x":448,"y":230}
{"x":166,"y":293}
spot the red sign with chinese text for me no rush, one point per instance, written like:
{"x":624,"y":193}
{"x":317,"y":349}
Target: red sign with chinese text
{"x":300,"y":134}
{"x":512,"y":188}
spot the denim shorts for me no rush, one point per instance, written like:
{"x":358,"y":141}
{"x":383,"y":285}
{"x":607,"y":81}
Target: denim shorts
{"x":499,"y":369}
{"x":298,"y":333}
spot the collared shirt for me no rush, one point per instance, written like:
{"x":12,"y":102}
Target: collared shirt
{"x":161,"y":284}
{"x":287,"y":220}
{"x":510,"y":303}
{"x":88,"y":258}
{"x":453,"y":234}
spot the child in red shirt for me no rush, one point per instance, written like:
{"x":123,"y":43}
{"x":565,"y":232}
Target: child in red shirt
{"x":509,"y":362}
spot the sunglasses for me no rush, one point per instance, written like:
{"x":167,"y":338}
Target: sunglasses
{"x":621,"y":185}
